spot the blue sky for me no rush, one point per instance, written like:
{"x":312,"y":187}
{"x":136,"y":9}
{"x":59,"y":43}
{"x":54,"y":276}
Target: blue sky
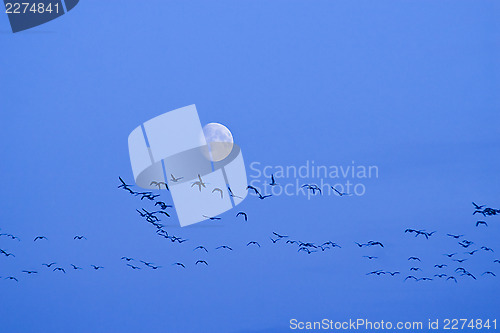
{"x":408,"y":86}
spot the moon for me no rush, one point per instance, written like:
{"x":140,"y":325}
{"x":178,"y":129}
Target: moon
{"x":219,"y":140}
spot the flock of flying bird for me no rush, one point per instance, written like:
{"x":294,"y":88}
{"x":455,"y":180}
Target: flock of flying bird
{"x":441,"y":270}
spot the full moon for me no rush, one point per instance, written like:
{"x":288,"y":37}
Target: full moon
{"x":219,"y":140}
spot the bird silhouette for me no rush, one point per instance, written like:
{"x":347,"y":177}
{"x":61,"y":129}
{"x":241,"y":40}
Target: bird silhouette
{"x":175,"y":180}
{"x":30,"y":272}
{"x":478,"y":223}
{"x":11,"y":278}
{"x":452,"y":278}
{"x":487,"y":249}
{"x":489,"y":273}
{"x":6,"y":253}
{"x":370,"y":257}
{"x":79,"y":237}
{"x":477,"y":206}
{"x":459,"y":260}
{"x":49,"y":265}
{"x":96,"y":267}
{"x":218,"y":190}
{"x":59,"y":269}
{"x":254,"y":243}
{"x":279,"y":236}
{"x":273,"y":182}
{"x":133,"y":267}
{"x":224,"y":247}
{"x":441,"y":266}
{"x":211,"y":218}
{"x":126,"y":258}
{"x":341,"y":194}
{"x":245,"y":216}
{"x":201,"y":262}
{"x":414,"y":258}
{"x":39,"y":237}
{"x":76,"y":267}
{"x":411,"y":277}
{"x":455,"y":236}
{"x":201,"y":247}
{"x":179,"y":264}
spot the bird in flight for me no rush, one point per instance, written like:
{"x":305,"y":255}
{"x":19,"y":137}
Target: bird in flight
{"x":80,"y":237}
{"x":370,"y":257}
{"x":11,"y":278}
{"x":459,"y":260}
{"x":162,"y":205}
{"x":487,"y":249}
{"x":220,"y":191}
{"x":424,"y":279}
{"x":478,"y":223}
{"x":49,"y":265}
{"x":372,"y":243}
{"x":274,"y":240}
{"x":279,"y":236}
{"x":96,"y":267}
{"x":39,"y":237}
{"x":179,"y":264}
{"x":477,"y":206}
{"x":133,"y":267}
{"x":76,"y":267}
{"x":471,"y":252}
{"x":452,"y":278}
{"x":378,"y":272}
{"x":441,"y":266}
{"x":497,"y":261}
{"x":411,"y":277}
{"x":455,"y":236}
{"x":11,"y":236}
{"x":159,"y":184}
{"x":302,"y":248}
{"x":199,"y":183}
{"x":393,"y":273}
{"x":489,"y":273}
{"x":201,"y":262}
{"x":415,"y":269}
{"x":341,"y":194}
{"x":59,"y":269}
{"x":243,"y":214}
{"x":201,"y":247}
{"x":175,"y":180}
{"x":224,"y":247}
{"x":313,"y":188}
{"x":254,"y":243}
{"x":6,"y":253}
{"x":414,"y":258}
{"x":440,"y":275}
{"x":30,"y":272}
{"x":211,"y":218}
{"x":273,"y":182}
{"x":232,"y":194}
{"x":127,"y":258}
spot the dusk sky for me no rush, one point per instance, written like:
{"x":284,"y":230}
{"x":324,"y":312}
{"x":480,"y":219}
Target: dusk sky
{"x":407,"y":91}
